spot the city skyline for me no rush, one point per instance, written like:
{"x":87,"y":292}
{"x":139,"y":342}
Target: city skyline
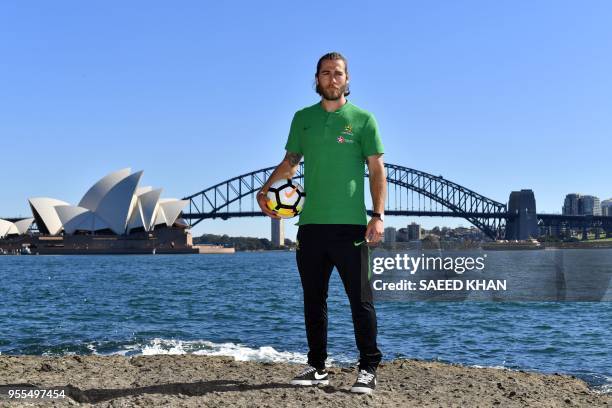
{"x":596,"y":207}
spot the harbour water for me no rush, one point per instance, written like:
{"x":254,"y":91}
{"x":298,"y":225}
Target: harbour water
{"x":249,"y":305}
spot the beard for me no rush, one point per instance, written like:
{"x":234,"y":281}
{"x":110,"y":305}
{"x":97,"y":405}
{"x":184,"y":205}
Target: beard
{"x":331,"y":94}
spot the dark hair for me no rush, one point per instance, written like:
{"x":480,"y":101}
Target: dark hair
{"x":332,"y":56}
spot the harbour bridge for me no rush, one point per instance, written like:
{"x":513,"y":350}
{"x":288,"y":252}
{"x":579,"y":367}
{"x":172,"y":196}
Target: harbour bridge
{"x":410,"y":192}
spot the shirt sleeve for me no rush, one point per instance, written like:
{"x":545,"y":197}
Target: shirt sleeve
{"x":371,"y":142}
{"x":294,"y":142}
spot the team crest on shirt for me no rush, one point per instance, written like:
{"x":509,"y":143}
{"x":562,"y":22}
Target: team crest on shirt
{"x":347,"y":132}
{"x":342,"y":139}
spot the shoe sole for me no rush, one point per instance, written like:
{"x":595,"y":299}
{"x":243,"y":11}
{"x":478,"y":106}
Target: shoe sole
{"x":362,"y":390}
{"x":309,"y":382}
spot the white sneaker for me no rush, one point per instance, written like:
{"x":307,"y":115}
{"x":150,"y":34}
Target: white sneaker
{"x":366,"y":382}
{"x":311,"y":376}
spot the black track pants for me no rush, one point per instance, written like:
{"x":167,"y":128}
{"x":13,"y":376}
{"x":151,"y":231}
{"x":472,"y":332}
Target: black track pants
{"x":320,"y":248}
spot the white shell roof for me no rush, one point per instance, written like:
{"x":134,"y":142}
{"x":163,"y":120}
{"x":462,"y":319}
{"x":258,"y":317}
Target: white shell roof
{"x":135,"y":220}
{"x":115,"y":202}
{"x":68,"y":212}
{"x":6,"y":228}
{"x":149,"y":206}
{"x":80,"y":219}
{"x":91,"y":199}
{"x":45,"y":207}
{"x":141,"y":190}
{"x":23,"y":225}
{"x":181,"y":221}
{"x":160,"y":217}
{"x":114,"y":207}
{"x":172,"y":209}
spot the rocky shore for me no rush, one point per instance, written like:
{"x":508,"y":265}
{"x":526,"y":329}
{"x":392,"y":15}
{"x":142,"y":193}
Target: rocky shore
{"x":205,"y":381}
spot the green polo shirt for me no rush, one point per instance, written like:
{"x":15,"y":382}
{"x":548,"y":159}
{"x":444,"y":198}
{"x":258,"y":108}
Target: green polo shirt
{"x":335,"y":146}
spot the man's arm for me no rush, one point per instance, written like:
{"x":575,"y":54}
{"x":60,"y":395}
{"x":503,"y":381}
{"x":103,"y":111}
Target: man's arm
{"x":378,"y":182}
{"x":285,"y":170}
{"x":378,"y":190}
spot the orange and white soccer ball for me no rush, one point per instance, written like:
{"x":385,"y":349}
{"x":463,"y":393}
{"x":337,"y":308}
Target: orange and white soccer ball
{"x":286,"y":198}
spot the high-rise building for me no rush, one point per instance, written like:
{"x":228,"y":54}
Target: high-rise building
{"x":414,"y":231}
{"x":590,"y":205}
{"x":278,"y":232}
{"x":402,"y":235}
{"x":390,"y":235}
{"x":606,"y":207}
{"x":577,"y":204}
{"x":571,"y":206}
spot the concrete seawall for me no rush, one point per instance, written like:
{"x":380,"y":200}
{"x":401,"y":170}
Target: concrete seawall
{"x":214,"y":249}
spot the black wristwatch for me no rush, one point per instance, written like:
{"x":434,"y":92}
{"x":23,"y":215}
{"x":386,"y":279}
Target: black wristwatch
{"x":378,"y":215}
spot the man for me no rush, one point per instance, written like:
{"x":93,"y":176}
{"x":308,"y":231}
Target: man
{"x":335,"y":138}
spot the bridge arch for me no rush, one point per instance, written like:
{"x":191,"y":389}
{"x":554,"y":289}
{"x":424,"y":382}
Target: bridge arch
{"x":486,"y":214}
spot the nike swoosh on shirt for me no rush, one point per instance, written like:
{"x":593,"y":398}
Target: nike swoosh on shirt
{"x":358,"y":243}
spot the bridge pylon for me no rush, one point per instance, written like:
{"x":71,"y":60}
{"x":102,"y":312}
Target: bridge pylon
{"x":524,"y":224}
{"x":277,"y":232}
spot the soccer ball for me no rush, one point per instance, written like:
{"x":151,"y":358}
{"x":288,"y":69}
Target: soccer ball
{"x":286,"y":198}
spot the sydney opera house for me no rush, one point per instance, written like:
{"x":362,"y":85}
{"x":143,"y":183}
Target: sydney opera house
{"x":114,"y":216}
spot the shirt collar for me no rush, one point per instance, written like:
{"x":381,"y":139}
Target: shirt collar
{"x":341,"y":109}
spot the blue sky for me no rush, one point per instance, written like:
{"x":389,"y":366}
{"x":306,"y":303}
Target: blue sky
{"x":496,"y":96}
